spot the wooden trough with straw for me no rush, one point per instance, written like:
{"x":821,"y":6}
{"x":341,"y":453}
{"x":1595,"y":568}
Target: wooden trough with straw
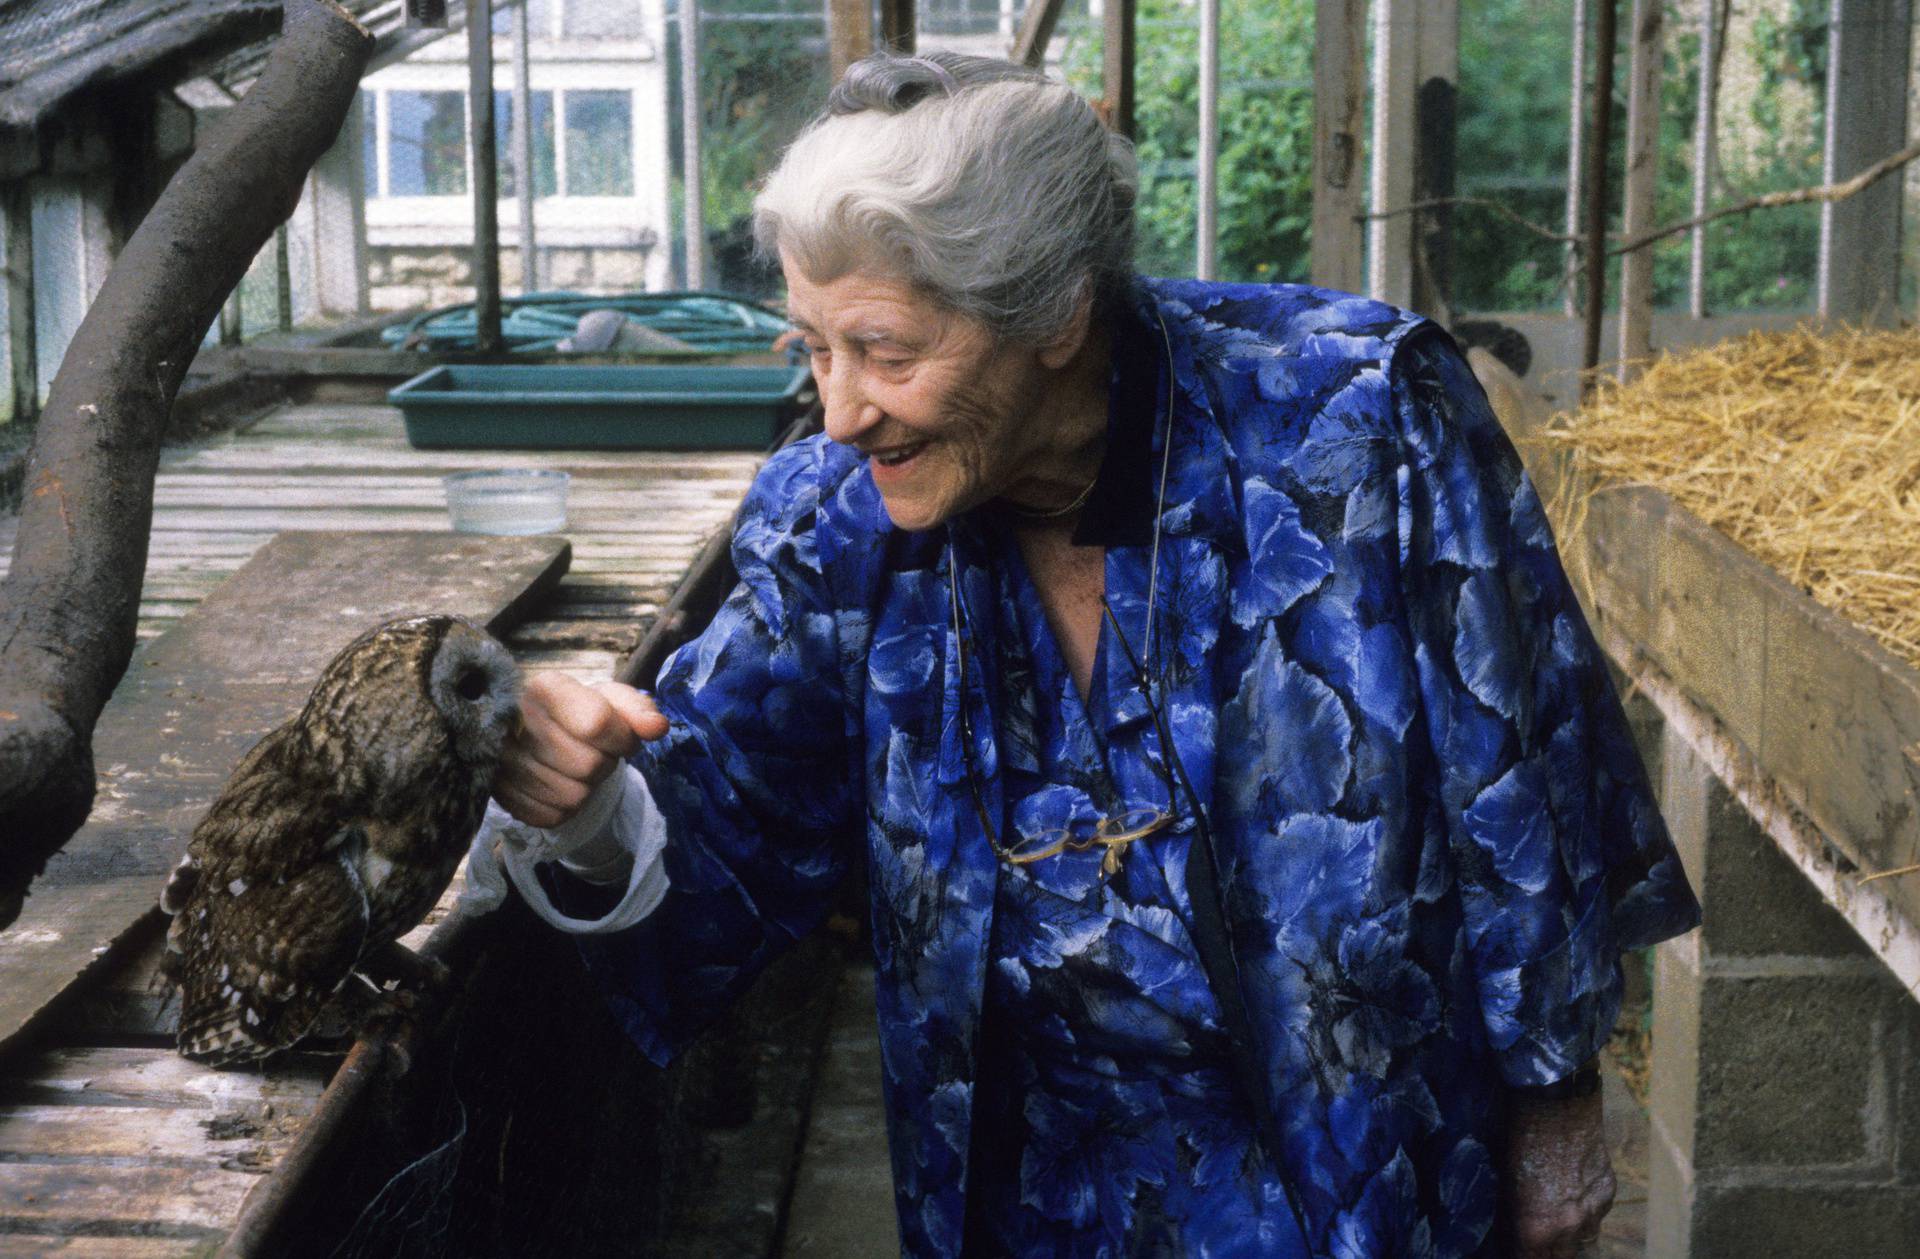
{"x":1744,"y":522}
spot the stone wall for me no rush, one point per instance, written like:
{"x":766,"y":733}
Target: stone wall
{"x":1785,"y":1098}
{"x":408,"y":277}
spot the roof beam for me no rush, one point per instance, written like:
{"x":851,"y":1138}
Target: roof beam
{"x":1036,"y":30}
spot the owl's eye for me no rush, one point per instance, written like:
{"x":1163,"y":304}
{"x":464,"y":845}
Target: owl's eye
{"x":471,"y":685}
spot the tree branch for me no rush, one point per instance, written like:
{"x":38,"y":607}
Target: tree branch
{"x":1485,"y":203}
{"x":1770,"y":200}
{"x":1765,"y":201}
{"x":70,"y":603}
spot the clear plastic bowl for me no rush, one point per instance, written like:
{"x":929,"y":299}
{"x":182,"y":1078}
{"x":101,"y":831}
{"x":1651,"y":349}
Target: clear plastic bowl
{"x":512,"y":501}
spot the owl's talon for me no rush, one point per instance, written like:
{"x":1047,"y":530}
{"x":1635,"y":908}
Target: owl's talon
{"x":394,"y":1032}
{"x":411,"y":972}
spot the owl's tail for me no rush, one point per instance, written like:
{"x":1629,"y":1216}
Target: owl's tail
{"x":222,"y":1030}
{"x":223,"y":1025}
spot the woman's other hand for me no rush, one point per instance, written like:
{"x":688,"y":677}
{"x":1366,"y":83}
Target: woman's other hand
{"x":570,"y":736}
{"x":1559,"y":1182}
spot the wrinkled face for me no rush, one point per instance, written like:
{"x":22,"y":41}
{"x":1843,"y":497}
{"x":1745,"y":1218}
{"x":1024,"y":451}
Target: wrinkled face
{"x":947,"y":416}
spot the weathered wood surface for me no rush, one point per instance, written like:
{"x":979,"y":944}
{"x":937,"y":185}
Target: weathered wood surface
{"x":1827,"y":713}
{"x":219,"y":503}
{"x":139,"y":1143}
{"x":1643,"y":163}
{"x":1338,"y":257}
{"x":201,"y":694}
{"x":636,"y":517}
{"x":1857,"y":265}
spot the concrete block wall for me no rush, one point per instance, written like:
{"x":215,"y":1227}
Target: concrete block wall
{"x":1785,"y":1096}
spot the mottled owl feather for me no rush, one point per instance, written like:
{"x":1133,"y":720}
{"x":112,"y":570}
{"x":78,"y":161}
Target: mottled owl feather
{"x":335,"y":834}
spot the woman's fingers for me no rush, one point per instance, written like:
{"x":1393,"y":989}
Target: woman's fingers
{"x":636,"y":708}
{"x":583,"y":713}
{"x":570,"y":737}
{"x":523,"y":781}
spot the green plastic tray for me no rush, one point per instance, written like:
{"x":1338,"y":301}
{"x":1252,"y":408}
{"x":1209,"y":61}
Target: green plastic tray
{"x":556,"y":407}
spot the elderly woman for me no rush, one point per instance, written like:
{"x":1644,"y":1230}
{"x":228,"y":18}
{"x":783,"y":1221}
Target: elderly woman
{"x":1251,"y":826}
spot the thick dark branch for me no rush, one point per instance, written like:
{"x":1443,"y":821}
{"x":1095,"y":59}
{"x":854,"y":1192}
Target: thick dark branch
{"x":69,"y":605}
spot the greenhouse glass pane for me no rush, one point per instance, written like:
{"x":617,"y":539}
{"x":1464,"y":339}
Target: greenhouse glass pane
{"x":542,"y":144}
{"x":426,"y":144}
{"x":599,"y":144}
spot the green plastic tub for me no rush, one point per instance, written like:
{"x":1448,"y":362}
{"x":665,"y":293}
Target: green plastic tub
{"x":558,"y":407}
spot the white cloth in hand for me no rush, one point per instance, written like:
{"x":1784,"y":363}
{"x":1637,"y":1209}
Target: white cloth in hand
{"x":619,"y":815}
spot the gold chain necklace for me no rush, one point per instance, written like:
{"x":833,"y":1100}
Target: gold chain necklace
{"x":1053,"y":513}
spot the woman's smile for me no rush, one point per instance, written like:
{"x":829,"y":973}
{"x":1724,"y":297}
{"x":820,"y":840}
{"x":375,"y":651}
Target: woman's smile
{"x":946,"y":415}
{"x":890,"y":461}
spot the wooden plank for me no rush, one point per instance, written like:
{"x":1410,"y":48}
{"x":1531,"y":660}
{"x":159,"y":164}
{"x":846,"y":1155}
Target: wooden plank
{"x":16,"y":208}
{"x":1706,"y":149}
{"x":1642,"y":184}
{"x":1117,"y":64}
{"x":44,"y":1246}
{"x":576,"y":635}
{"x":849,"y":34}
{"x":1869,"y":43}
{"x":1206,"y":181}
{"x":1829,"y":716}
{"x":1339,"y":111}
{"x":247,"y":1138}
{"x":195,"y":1203}
{"x":387,"y":521}
{"x":1577,"y":150}
{"x":339,"y":457}
{"x":899,"y":25}
{"x":1395,"y":149}
{"x":159,"y":1079}
{"x":1036,"y":32}
{"x":693,"y":199}
{"x":522,"y":141}
{"x":1436,"y":123}
{"x":484,"y":170}
{"x":198,"y":697}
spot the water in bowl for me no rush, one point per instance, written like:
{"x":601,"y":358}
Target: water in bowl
{"x":509,"y":503}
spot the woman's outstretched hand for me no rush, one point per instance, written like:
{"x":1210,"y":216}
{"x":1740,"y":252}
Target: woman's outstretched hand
{"x":1559,"y":1181}
{"x":570,"y":736}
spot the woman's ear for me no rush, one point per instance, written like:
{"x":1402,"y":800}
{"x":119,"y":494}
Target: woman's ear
{"x":1060,"y":351}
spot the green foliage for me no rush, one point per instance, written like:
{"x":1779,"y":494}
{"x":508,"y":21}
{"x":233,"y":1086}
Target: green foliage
{"x":1767,"y":259}
{"x":758,"y":86}
{"x":761,"y":83}
{"x":1266,"y":134}
{"x":1515,"y":67}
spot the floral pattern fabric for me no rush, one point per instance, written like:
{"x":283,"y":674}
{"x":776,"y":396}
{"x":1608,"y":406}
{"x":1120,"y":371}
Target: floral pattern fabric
{"x":1107,"y":1120}
{"x":1432,"y":832}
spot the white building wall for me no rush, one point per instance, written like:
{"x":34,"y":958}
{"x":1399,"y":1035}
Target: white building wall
{"x":588,"y":241}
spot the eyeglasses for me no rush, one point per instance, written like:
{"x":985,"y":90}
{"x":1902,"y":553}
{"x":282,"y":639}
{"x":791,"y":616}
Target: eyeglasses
{"x":1133,"y":822}
{"x":1114,"y":832}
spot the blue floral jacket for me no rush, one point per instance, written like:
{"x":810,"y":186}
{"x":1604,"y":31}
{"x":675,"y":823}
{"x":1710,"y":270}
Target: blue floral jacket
{"x":1433,"y":834}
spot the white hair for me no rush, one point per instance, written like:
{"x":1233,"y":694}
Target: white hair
{"x":997,"y":192}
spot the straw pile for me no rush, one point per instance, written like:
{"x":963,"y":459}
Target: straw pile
{"x":1803,"y":447}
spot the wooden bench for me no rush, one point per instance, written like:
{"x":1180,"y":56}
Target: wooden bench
{"x":100,"y":1143}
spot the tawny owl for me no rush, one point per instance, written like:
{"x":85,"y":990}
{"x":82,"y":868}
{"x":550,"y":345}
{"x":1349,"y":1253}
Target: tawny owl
{"x":336,"y":834}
